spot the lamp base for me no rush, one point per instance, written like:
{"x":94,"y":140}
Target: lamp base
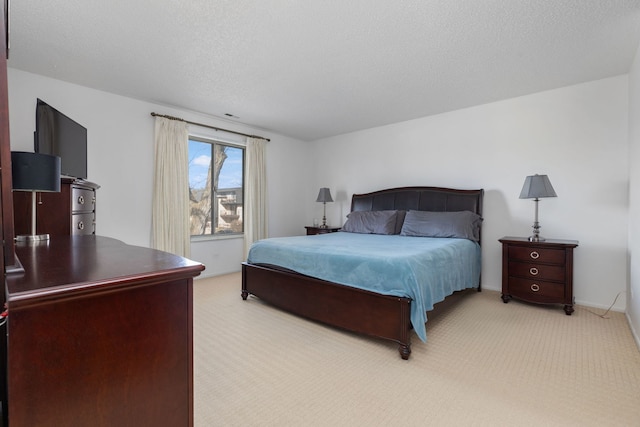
{"x":32,"y":238}
{"x":536,"y":228}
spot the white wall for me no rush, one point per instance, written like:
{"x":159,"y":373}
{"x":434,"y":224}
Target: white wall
{"x":120,"y":160}
{"x":577,"y":135}
{"x":633,"y":292}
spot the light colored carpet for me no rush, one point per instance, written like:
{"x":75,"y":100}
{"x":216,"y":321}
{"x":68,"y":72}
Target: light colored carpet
{"x":486,"y":363}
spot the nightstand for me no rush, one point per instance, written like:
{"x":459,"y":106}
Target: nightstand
{"x":538,"y":272}
{"x":311,"y":230}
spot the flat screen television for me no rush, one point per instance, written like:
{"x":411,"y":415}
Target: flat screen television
{"x":58,"y":135}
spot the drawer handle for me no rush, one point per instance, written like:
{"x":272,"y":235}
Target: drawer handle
{"x":533,"y":271}
{"x":81,"y":200}
{"x":80,"y":225}
{"x":535,"y":287}
{"x":534,"y":255}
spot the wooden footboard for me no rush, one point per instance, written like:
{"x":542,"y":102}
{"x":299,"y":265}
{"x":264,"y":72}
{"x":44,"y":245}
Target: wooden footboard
{"x":353,"y":309}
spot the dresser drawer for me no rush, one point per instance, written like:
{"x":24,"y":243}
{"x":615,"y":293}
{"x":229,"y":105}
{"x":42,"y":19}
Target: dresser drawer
{"x":537,"y":271}
{"x":536,"y":290}
{"x":83,"y":223}
{"x":82,"y":200}
{"x":545,"y":256}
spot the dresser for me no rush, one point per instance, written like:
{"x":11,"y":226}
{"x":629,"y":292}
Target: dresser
{"x":72,"y":211}
{"x":99,"y":333}
{"x":538,"y":272}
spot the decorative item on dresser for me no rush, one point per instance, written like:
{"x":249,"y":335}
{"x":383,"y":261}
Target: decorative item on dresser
{"x":34,"y":172}
{"x":539,"y":272}
{"x":311,"y":230}
{"x":72,"y":211}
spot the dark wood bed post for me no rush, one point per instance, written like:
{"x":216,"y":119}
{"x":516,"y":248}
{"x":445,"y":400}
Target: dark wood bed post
{"x":244,"y":293}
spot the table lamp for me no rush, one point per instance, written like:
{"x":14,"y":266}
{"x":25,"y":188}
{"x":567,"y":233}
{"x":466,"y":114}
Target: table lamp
{"x":535,"y":187}
{"x":34,"y":172}
{"x":324,"y":196}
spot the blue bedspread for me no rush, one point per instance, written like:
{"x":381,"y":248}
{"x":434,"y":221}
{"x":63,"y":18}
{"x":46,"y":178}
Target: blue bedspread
{"x":424,"y":269}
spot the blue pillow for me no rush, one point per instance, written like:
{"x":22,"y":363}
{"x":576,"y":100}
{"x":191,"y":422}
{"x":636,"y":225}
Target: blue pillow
{"x":461,"y":224}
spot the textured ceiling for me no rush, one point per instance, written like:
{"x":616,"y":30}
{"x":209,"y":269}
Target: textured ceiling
{"x":312,"y":69}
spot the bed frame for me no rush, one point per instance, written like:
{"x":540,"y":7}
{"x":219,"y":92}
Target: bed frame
{"x":353,"y":309}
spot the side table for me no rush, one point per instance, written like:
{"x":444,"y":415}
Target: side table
{"x":311,"y":230}
{"x":538,"y":272}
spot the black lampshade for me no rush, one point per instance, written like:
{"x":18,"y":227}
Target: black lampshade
{"x":35,"y":171}
{"x":324,"y":195}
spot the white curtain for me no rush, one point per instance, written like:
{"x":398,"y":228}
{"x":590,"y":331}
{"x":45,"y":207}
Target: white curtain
{"x":170,"y":211}
{"x":255,"y":185}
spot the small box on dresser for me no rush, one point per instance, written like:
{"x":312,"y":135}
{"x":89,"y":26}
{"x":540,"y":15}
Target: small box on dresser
{"x":539,"y":272}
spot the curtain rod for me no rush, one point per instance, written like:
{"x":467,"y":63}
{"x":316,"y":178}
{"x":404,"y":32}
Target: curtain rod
{"x":207,"y":126}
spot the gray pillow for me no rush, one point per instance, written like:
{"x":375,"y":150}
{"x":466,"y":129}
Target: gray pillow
{"x":371,"y":222}
{"x":461,"y":224}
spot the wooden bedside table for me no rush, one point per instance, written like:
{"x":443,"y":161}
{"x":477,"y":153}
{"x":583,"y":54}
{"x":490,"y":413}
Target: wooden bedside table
{"x":311,"y":230}
{"x":538,"y":272}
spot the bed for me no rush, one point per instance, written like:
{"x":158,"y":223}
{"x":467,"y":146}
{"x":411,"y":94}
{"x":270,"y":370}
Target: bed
{"x":341,"y":296}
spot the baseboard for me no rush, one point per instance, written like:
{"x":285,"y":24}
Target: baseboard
{"x":633,"y":331}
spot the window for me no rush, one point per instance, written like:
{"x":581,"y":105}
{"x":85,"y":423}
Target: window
{"x":216,"y":172}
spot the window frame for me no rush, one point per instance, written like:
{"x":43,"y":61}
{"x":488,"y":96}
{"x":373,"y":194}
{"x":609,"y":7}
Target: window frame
{"x":203,"y":137}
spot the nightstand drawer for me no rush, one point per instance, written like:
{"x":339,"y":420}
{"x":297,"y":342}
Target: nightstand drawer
{"x":545,"y":256}
{"x":537,"y":271}
{"x":536,"y":290}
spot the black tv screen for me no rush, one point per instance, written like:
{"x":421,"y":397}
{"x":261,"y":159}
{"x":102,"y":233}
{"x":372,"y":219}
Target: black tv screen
{"x":58,"y":135}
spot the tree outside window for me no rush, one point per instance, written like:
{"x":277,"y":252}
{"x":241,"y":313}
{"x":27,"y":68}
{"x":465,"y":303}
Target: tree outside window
{"x":216,"y":172}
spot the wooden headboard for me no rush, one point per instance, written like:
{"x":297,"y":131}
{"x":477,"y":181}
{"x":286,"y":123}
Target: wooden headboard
{"x":419,"y":198}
